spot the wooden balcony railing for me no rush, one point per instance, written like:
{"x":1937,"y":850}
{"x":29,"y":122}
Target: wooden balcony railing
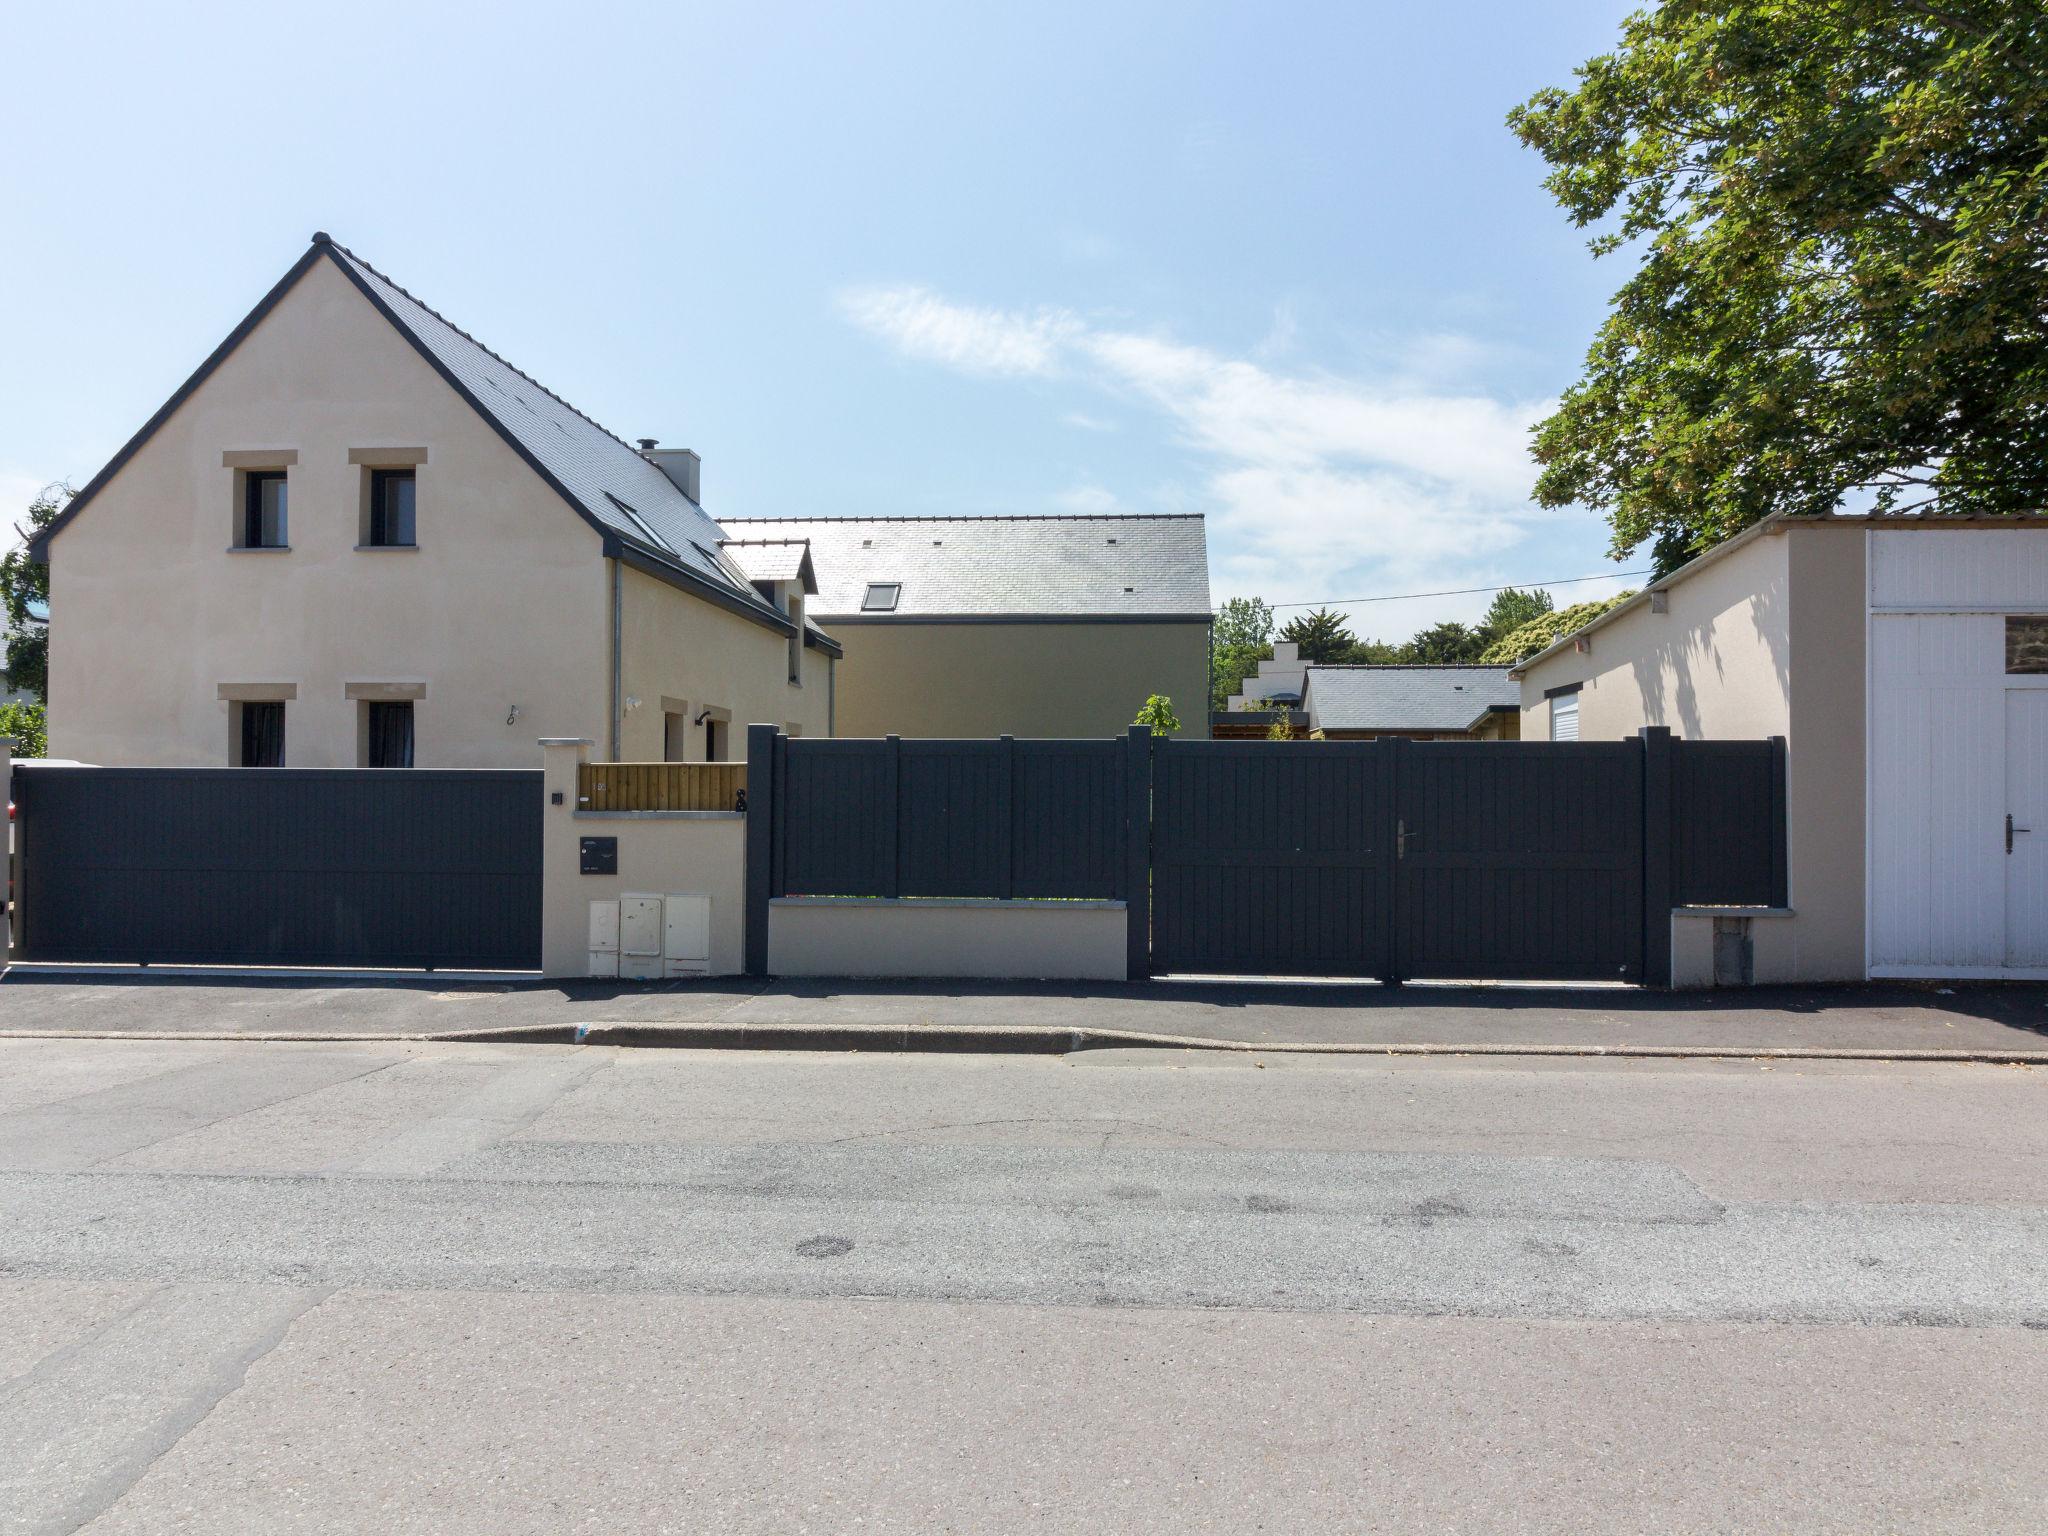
{"x":660,"y":786}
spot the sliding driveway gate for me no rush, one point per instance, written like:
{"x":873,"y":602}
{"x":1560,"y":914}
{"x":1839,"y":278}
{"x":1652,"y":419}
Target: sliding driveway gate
{"x":280,"y":866}
{"x":1390,"y":859}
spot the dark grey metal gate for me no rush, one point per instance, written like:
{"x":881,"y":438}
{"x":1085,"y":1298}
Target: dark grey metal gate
{"x":1518,"y":860}
{"x":1454,"y":860}
{"x":1271,"y":859}
{"x":280,"y":866}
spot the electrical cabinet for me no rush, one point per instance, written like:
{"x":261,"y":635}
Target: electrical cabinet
{"x":604,"y":938}
{"x":645,"y":937}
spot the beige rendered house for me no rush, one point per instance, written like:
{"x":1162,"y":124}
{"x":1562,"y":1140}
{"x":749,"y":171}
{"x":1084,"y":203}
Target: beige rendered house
{"x":1905,"y":660}
{"x":1017,"y":626}
{"x":358,"y":537}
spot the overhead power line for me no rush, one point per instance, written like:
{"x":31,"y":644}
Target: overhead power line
{"x":1400,"y":597}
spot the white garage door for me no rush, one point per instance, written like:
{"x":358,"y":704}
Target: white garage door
{"x":1958,"y":753}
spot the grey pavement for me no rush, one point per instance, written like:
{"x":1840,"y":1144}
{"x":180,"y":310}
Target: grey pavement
{"x":1985,"y":1017}
{"x":319,"y":1286}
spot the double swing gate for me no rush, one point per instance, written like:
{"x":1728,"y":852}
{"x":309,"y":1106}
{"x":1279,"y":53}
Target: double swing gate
{"x":1390,"y":859}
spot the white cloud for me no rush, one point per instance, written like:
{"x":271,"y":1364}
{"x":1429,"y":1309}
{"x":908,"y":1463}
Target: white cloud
{"x":1315,"y":483}
{"x":924,"y":326}
{"x":1088,"y":423}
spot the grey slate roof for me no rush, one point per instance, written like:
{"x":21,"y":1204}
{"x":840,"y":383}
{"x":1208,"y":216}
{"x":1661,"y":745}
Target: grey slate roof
{"x":1410,"y":698}
{"x":1139,"y":566}
{"x":773,"y":560}
{"x":605,"y":476}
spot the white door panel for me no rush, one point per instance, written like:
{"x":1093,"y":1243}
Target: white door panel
{"x":2026,"y":866}
{"x":1937,"y":791}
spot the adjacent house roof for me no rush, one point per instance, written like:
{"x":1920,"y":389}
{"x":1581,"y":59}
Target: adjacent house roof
{"x":644,"y":514}
{"x":1405,"y":698}
{"x":1119,"y":567}
{"x":774,"y":560}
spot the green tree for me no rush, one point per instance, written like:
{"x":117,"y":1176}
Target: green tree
{"x":23,"y":582}
{"x":1512,"y":608}
{"x":1157,"y":712}
{"x":1243,"y":621}
{"x":24,"y":724}
{"x":1520,"y":644}
{"x":1841,"y":215}
{"x":1446,"y":642}
{"x":1239,"y":639}
{"x":1323,"y":636}
{"x":1373,"y":652}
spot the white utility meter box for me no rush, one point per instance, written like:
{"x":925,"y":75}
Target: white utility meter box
{"x":646,"y":937}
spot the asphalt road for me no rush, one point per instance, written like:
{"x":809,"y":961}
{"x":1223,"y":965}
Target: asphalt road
{"x":1881,"y":1016}
{"x":314,"y":1287}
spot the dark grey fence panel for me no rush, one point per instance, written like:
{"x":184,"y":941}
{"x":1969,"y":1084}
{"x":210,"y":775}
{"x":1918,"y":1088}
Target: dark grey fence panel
{"x":1728,"y":823}
{"x":1270,"y":858}
{"x":835,"y":818}
{"x":280,"y":866}
{"x":1520,"y":860}
{"x":949,"y":818}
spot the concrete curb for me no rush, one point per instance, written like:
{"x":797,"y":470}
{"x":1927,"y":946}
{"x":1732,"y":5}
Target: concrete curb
{"x":1005,"y":1039}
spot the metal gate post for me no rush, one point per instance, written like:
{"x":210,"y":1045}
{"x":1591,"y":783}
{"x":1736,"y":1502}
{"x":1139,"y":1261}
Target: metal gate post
{"x":763,"y":806}
{"x":1392,"y":749}
{"x":1657,"y":814}
{"x":1138,"y":851}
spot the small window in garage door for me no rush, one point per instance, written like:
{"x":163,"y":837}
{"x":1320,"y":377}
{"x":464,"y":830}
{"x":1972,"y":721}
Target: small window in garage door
{"x":2026,"y":643}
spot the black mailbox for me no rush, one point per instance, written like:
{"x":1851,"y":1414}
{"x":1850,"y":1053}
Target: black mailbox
{"x":600,"y":855}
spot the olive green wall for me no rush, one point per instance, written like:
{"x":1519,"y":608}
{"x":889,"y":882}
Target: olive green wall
{"x":1022,"y":679}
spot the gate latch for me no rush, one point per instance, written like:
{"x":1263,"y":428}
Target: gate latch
{"x":2010,"y":829}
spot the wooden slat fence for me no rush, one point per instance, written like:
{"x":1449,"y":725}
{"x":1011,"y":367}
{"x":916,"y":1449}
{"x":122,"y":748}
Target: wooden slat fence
{"x":660,"y":786}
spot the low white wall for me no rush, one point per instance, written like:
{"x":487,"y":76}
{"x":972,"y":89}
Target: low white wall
{"x":661,"y":853}
{"x":997,"y":940}
{"x":1773,"y":936}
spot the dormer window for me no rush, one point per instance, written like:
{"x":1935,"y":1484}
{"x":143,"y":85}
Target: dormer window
{"x":881,"y":597}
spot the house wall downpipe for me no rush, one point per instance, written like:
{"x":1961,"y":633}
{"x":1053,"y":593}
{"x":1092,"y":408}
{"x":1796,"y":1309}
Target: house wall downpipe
{"x":618,"y":648}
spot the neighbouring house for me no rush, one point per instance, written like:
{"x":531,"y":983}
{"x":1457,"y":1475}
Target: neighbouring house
{"x":357,"y":536}
{"x":1419,"y":702}
{"x":1905,"y":662}
{"x":1017,"y":626}
{"x":1277,"y":683}
{"x":1268,"y":698}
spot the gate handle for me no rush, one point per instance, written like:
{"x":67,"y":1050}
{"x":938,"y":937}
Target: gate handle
{"x":2010,"y":829}
{"x":1401,"y":838}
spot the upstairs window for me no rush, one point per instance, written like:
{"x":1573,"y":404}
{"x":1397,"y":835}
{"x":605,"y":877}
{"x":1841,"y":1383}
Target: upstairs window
{"x":263,"y":509}
{"x":387,"y":734}
{"x":393,"y":499}
{"x":881,"y":597}
{"x":259,"y":733}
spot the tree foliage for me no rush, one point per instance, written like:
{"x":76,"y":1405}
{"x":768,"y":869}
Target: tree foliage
{"x":25,"y":725}
{"x":23,"y":582}
{"x":1240,"y":638}
{"x":1243,"y":621}
{"x":1841,"y":212}
{"x":1322,"y":636}
{"x":1157,"y":712}
{"x":1520,"y":644}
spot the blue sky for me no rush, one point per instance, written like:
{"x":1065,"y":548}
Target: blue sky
{"x":1279,"y":263}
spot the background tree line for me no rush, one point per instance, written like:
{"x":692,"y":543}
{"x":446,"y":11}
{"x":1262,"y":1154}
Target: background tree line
{"x":1518,"y":624}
